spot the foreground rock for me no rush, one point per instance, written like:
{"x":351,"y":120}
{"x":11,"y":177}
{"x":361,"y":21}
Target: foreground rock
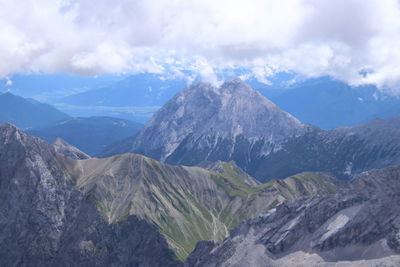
{"x":46,"y":221}
{"x":357,"y":227}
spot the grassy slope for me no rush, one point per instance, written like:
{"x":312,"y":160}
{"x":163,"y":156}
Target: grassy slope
{"x":187,"y":204}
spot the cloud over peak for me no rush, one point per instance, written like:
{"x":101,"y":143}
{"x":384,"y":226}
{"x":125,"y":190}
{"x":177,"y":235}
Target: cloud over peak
{"x":354,"y":40}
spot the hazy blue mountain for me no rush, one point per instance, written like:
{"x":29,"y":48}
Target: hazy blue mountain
{"x":328,"y":104}
{"x":136,"y":90}
{"x":323,"y":101}
{"x":48,"y":87}
{"x":90,"y":135}
{"x":139,"y":96}
{"x":136,"y":97}
{"x":344,"y":151}
{"x":27,"y":113}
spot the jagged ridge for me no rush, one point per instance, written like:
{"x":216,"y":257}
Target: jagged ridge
{"x":357,"y":227}
{"x":186,"y":204}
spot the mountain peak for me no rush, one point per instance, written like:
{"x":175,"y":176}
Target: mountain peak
{"x":235,"y":83}
{"x":9,"y":131}
{"x":8,"y":126}
{"x":219,"y":122}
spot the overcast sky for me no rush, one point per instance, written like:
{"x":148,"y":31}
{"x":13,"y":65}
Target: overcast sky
{"x":340,"y":38}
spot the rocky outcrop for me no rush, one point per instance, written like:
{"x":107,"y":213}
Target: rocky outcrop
{"x":46,"y":221}
{"x":67,"y":150}
{"x":356,"y":227}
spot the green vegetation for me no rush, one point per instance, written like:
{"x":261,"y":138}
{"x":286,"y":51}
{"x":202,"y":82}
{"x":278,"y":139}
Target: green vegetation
{"x":182,"y":214}
{"x":316,"y":177}
{"x":234,"y":183}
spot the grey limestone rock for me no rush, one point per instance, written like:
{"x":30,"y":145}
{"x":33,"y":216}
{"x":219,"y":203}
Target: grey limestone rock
{"x":356,"y":227}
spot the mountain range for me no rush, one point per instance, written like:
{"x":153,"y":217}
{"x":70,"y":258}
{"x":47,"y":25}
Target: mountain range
{"x":57,"y":209}
{"x":329,"y":104}
{"x":235,"y":122}
{"x":27,"y":113}
{"x":91,"y":135}
{"x":324,"y":101}
{"x":191,"y":199}
{"x":135,"y":97}
{"x":343,"y":151}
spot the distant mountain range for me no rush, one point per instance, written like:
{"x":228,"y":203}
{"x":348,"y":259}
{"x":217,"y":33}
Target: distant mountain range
{"x":49,"y":87}
{"x":27,"y":113}
{"x":329,"y":104}
{"x":123,"y":210}
{"x":234,"y":122}
{"x":344,"y":151}
{"x":136,"y":97}
{"x":324,"y":102}
{"x":92,"y":134}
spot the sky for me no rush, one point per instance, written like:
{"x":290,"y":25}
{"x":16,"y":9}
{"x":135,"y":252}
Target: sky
{"x":357,"y":41}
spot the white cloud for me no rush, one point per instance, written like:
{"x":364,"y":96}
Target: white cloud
{"x":311,"y":37}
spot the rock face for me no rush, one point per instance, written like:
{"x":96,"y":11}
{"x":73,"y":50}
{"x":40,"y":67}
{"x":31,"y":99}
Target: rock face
{"x":124,"y":209}
{"x":357,"y":227}
{"x":67,"y":150}
{"x":204,"y":123}
{"x":344,"y":152}
{"x":46,"y":221}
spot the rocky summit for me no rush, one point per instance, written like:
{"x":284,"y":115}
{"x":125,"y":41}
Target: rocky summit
{"x":356,"y":227}
{"x":123,"y":210}
{"x":205,"y":123}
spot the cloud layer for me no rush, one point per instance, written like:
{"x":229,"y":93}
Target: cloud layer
{"x":357,"y":41}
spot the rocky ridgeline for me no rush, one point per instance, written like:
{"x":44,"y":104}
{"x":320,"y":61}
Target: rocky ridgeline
{"x":46,"y":221}
{"x":357,"y":227}
{"x":123,"y":210}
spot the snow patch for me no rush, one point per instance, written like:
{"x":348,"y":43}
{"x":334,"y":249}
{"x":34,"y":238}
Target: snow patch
{"x":337,"y":222}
